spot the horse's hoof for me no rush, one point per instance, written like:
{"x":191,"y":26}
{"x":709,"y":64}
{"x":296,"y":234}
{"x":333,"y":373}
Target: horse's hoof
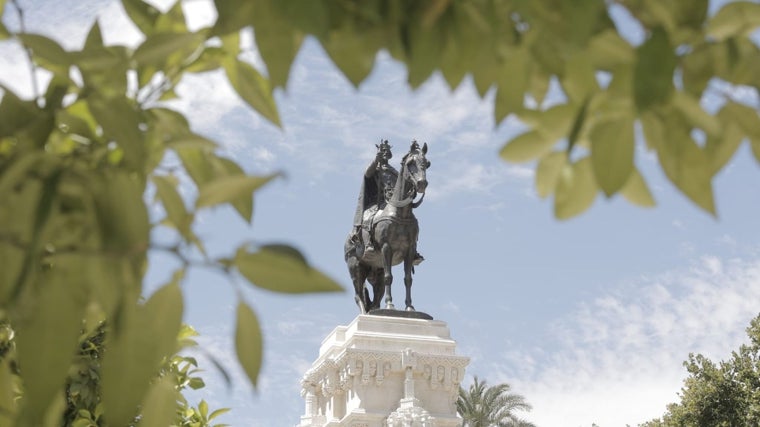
{"x":362,"y":309}
{"x":390,"y":306}
{"x":410,"y":308}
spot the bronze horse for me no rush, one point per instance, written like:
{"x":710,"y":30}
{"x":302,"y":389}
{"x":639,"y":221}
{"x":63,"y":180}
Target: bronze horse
{"x":394,"y":231}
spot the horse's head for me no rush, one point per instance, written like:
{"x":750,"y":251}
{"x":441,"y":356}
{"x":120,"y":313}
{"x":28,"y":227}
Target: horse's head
{"x":416,"y":165}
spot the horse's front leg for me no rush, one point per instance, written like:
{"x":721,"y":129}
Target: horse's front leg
{"x":408,"y":267}
{"x":378,"y":287}
{"x":387,"y":276}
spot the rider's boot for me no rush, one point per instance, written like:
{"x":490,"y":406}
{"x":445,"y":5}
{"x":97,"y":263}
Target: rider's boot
{"x":418,"y":258}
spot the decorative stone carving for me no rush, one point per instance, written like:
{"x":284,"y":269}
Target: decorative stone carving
{"x":376,"y":364}
{"x":413,"y":416}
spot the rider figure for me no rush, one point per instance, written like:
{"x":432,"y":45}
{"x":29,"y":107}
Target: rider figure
{"x":377,"y":188}
{"x":379,"y":180}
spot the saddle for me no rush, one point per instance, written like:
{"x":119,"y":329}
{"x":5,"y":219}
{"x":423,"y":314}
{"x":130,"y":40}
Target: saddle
{"x":364,"y":240}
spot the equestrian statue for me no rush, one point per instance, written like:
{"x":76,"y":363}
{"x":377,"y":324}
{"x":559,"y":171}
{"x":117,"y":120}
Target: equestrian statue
{"x":385,"y":228}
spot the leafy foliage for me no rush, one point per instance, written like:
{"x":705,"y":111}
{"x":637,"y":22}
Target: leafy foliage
{"x":491,"y":406}
{"x":83,"y":403}
{"x":719,"y":394}
{"x":75,"y":163}
{"x":76,"y":159}
{"x":611,"y":87}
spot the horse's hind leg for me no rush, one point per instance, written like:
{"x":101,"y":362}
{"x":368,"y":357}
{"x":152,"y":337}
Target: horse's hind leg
{"x":408,"y":267}
{"x":387,"y":276}
{"x":358,"y":276}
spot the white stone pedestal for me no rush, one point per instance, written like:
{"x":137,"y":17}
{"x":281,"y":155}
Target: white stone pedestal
{"x":384,"y":371}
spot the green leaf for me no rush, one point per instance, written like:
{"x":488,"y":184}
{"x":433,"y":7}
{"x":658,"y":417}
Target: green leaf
{"x":425,"y":49}
{"x":636,"y":191}
{"x":47,"y":52}
{"x":352,"y":51}
{"x":659,"y":13}
{"x":253,"y":88}
{"x":159,"y":407}
{"x":211,"y":58}
{"x":576,"y":189}
{"x":166,"y":188}
{"x":121,"y":123}
{"x":94,"y":37}
{"x":512,"y":84}
{"x":695,"y":115}
{"x":243,"y":204}
{"x":172,"y":21}
{"x":45,"y":48}
{"x":612,"y":150}
{"x":155,"y":50}
{"x":248,"y":342}
{"x":191,"y":140}
{"x":526,"y":147}
{"x":281,"y":268}
{"x":733,"y":19}
{"x":579,"y":81}
{"x":746,"y":117}
{"x":687,"y":165}
{"x":217,"y":413}
{"x":142,"y":336}
{"x":203,"y":409}
{"x":143,"y":14}
{"x":197,"y":164}
{"x":607,"y":50}
{"x":556,"y":122}
{"x":548,"y":170}
{"x":653,"y":73}
{"x":24,"y":119}
{"x":538,"y":83}
{"x":278,"y":42}
{"x":196,"y":383}
{"x":721,"y":149}
{"x":698,"y":69}
{"x":121,"y":214}
{"x":47,"y":321}
{"x":105,"y":69}
{"x":227,"y":189}
{"x":232,"y":16}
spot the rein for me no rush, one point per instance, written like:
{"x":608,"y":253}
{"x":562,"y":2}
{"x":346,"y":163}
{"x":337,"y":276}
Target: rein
{"x":409,"y":199}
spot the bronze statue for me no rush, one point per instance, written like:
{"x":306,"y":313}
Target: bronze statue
{"x":385,"y":228}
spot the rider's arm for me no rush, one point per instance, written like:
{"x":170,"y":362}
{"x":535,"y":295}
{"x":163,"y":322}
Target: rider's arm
{"x":371,"y":169}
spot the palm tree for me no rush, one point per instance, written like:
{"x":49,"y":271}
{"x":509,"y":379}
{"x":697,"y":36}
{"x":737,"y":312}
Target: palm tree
{"x":484,"y":406}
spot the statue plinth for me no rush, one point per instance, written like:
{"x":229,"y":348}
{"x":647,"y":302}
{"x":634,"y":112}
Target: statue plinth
{"x":383,"y":371}
{"x":400,"y":313}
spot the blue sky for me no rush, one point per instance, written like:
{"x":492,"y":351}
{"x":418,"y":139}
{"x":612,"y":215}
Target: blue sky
{"x":590,"y":319}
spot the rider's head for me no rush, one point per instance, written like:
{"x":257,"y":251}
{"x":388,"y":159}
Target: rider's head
{"x":384,"y":150}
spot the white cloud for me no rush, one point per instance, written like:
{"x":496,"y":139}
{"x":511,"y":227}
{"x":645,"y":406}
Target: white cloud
{"x":619,"y":356}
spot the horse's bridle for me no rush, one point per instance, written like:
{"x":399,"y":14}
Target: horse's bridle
{"x":409,"y":199}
